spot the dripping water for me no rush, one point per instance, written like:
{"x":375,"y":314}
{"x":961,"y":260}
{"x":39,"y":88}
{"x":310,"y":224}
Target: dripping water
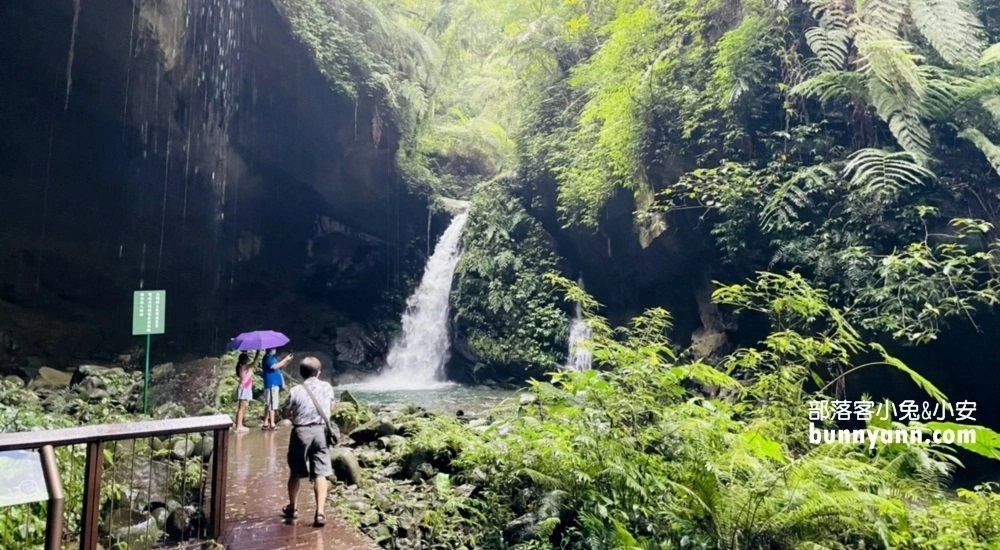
{"x":72,"y":51}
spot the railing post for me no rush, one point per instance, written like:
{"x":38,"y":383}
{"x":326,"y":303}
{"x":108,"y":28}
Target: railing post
{"x":92,"y":495}
{"x":53,"y":485}
{"x":220,"y":461}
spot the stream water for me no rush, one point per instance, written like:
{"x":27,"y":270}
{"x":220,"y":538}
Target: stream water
{"x":446,"y":398}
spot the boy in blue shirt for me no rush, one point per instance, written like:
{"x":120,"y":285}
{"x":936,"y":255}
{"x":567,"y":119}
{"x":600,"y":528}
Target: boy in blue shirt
{"x":273,"y":382}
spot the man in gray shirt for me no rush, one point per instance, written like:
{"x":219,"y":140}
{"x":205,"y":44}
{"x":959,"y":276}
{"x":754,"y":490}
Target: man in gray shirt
{"x":308,"y":455}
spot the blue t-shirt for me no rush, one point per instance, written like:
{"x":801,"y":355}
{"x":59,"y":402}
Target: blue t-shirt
{"x":272,"y":376}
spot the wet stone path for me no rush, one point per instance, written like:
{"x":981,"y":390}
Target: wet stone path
{"x":258,"y":476}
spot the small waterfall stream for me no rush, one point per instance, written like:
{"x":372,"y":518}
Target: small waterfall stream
{"x":580,"y":357}
{"x":418,"y":354}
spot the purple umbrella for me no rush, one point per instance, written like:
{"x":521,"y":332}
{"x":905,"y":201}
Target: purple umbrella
{"x":258,"y":340}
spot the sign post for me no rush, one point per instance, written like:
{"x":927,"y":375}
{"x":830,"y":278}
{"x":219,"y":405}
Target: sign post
{"x":149,"y":312}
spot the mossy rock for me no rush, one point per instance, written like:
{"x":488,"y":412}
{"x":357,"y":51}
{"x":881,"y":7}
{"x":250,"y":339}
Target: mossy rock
{"x":345,"y":467}
{"x":48,"y":376}
{"x":347,"y":397}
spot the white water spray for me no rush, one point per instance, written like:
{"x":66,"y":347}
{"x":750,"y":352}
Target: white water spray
{"x":418,"y":354}
{"x":580,"y":357}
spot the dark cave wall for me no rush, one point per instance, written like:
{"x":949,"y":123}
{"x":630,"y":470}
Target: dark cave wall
{"x":183,"y":161}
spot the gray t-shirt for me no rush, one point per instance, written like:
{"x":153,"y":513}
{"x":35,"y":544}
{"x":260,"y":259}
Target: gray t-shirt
{"x":300,"y":407}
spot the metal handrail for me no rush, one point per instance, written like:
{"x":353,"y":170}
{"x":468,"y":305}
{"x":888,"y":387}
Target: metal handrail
{"x":95,"y":437}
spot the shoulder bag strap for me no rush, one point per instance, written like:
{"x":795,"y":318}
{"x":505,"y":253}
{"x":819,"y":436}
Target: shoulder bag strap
{"x":319,"y":409}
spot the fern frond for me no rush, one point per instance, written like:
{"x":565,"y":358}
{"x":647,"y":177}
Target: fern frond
{"x":989,"y":149}
{"x":783,"y":206}
{"x":884,"y":16}
{"x":903,"y":117}
{"x":830,"y":85}
{"x":991,"y":55}
{"x":951,"y":27}
{"x":831,"y":39}
{"x":875,"y":171}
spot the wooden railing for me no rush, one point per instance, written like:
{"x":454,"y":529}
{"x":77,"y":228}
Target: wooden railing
{"x":95,"y":437}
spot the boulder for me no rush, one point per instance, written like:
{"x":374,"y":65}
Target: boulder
{"x":204,"y":447}
{"x":372,"y":431}
{"x":182,"y":449}
{"x":14,"y":381}
{"x":54,"y":378}
{"x":345,"y":467}
{"x":96,"y":394}
{"x":346,"y":397}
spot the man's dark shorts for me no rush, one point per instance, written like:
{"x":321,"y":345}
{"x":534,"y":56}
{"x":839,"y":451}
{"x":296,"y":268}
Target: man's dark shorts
{"x":308,"y":455}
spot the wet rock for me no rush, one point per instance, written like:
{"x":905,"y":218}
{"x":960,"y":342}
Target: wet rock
{"x":372,"y":431}
{"x":345,"y":467}
{"x":204,"y":447}
{"x":285,"y":422}
{"x":346,"y":397}
{"x":182,"y":449}
{"x":391,"y":471}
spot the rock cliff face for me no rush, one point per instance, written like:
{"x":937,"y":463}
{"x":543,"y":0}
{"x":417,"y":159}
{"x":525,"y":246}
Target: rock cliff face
{"x":189,"y":145}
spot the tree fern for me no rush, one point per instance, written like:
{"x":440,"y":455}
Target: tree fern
{"x":951,"y":27}
{"x":875,"y":171}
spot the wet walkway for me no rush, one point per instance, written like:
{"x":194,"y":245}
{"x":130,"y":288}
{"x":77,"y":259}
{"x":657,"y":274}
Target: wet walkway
{"x":258,"y":475}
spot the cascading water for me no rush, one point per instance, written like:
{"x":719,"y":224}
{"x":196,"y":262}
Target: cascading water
{"x":580,"y":357}
{"x":418,"y":354}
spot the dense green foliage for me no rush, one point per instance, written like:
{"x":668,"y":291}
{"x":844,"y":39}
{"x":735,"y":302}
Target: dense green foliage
{"x":504,"y":306}
{"x":658,"y":453}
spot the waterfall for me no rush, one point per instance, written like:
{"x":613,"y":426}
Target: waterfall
{"x":580,"y":357}
{"x":418,"y":353}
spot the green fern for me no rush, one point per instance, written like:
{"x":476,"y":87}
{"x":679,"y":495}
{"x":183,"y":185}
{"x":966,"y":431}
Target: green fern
{"x":879,"y":172}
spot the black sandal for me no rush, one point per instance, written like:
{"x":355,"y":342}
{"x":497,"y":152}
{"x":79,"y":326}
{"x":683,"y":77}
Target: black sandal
{"x":289,"y":512}
{"x":319,"y":521}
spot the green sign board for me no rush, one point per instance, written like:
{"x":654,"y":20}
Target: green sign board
{"x":21,"y":478}
{"x":149,"y":312}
